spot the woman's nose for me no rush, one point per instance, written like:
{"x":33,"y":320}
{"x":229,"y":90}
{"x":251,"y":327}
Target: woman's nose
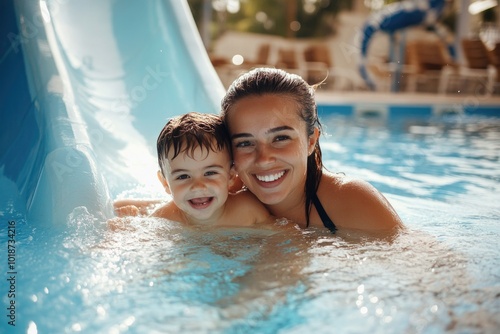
{"x":265,"y":155}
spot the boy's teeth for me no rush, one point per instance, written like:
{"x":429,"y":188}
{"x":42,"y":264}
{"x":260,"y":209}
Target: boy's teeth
{"x":270,"y":178}
{"x":201,"y":200}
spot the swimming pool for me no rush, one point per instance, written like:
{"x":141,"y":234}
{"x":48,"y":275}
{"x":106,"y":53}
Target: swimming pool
{"x":88,"y":107}
{"x":442,"y":275}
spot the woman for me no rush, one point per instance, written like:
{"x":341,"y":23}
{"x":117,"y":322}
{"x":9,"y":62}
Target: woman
{"x":273,"y":122}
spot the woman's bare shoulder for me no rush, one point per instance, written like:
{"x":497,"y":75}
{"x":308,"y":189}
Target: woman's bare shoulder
{"x":347,"y":186}
{"x":246,"y":204}
{"x":168,"y":211}
{"x":243,"y":196}
{"x":357,"y":204}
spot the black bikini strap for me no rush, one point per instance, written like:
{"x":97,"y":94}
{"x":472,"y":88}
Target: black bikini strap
{"x":323,"y":215}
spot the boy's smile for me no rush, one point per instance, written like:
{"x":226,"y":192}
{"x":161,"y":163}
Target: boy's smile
{"x":201,"y":202}
{"x":198,"y":181}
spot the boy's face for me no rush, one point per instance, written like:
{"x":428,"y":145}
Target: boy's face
{"x":199,"y":183}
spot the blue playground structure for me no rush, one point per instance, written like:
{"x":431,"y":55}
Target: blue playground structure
{"x":394,"y":18}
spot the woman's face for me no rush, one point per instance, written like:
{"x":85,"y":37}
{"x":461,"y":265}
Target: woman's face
{"x":270,"y":146}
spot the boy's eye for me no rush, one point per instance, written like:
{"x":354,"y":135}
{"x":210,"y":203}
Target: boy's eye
{"x":211,"y":172}
{"x":182,"y":177}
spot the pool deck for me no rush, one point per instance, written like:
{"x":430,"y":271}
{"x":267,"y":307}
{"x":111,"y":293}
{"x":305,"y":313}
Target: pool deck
{"x":415,"y":99}
{"x":405,"y":104}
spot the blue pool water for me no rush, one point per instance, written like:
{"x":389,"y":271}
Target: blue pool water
{"x":86,"y":87}
{"x":441,"y":275}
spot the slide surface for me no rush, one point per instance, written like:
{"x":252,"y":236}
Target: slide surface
{"x":86,"y":86}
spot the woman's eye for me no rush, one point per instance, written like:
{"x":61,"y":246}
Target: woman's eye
{"x":281,"y":138}
{"x":243,"y":144}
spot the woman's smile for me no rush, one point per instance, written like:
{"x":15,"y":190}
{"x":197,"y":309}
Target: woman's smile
{"x":270,"y":177}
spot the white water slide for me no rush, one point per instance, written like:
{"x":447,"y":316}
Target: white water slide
{"x":86,"y":86}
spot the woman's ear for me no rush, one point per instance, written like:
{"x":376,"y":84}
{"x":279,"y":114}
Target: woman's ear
{"x":235,"y":184}
{"x":313,"y":139}
{"x":163,"y":182}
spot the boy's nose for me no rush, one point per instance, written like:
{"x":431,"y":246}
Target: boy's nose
{"x":198,"y":184}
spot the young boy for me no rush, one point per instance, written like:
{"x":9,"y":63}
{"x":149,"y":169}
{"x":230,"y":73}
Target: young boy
{"x":194,"y":155}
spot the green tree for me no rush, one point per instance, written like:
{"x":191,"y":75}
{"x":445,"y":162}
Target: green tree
{"x":287,"y":18}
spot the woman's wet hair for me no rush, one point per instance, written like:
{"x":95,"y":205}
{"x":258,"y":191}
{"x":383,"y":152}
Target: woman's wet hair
{"x":271,"y":81}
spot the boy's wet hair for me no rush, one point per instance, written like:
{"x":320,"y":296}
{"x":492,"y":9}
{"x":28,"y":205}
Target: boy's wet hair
{"x":186,"y":133}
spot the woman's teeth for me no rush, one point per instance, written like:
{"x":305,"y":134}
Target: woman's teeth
{"x":270,"y":178}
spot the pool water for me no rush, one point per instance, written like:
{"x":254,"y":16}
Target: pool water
{"x":442,"y":274}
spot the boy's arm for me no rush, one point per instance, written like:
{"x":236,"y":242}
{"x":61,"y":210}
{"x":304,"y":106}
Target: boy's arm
{"x":134,"y":207}
{"x":127,"y":209}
